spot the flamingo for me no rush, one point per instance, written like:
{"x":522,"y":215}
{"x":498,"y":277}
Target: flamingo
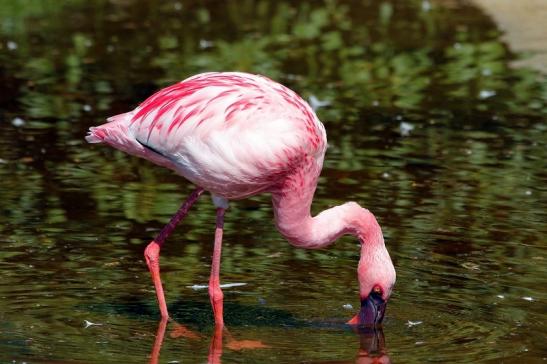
{"x":236,"y":135}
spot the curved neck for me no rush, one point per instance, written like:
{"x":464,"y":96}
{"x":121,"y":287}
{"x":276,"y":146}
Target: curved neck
{"x":292,"y":203}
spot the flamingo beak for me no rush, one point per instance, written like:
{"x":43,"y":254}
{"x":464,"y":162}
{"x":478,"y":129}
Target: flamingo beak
{"x":372,"y":311}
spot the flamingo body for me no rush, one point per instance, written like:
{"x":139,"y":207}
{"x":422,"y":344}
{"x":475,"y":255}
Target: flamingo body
{"x":235,"y":135}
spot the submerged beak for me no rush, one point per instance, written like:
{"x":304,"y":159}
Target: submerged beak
{"x":372,"y":311}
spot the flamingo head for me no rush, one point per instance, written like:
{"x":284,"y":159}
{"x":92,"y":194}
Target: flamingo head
{"x":376,"y":276}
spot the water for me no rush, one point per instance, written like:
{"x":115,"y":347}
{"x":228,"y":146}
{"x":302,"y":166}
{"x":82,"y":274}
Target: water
{"x":428,"y":126}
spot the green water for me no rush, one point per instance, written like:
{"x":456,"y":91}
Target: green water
{"x":428,"y":125}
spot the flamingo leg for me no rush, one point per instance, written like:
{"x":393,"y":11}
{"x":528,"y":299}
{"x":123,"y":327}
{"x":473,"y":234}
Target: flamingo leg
{"x":152,"y":251}
{"x":215,"y":293}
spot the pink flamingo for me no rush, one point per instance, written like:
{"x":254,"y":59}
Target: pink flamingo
{"x":236,"y":135}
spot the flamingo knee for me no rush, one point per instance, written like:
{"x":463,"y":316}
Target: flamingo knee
{"x":152,"y":253}
{"x":215,"y":293}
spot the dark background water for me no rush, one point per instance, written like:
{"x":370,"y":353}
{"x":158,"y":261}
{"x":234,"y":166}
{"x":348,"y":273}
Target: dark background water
{"x":428,"y":126}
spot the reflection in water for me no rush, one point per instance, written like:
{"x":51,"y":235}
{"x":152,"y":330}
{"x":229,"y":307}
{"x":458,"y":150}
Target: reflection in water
{"x":372,"y":348}
{"x":372,"y":344}
{"x":215,"y":348}
{"x":155,"y":355}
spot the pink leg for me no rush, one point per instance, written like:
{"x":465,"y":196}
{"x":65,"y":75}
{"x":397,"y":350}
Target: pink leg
{"x":152,"y":251}
{"x":215,"y":293}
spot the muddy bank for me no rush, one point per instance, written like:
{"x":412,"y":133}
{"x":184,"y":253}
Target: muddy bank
{"x":523,"y":23}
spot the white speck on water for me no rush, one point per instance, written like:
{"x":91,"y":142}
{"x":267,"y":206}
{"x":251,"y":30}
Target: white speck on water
{"x":420,"y":342}
{"x":386,"y":175}
{"x":528,"y":298}
{"x":484,"y":94}
{"x":500,"y":296}
{"x":89,"y":323}
{"x":528,"y":193}
{"x":110,"y":48}
{"x":470,"y":266}
{"x":375,"y":103}
{"x":227,"y":285}
{"x":457,"y":45}
{"x":3,"y":161}
{"x":405,"y":128}
{"x":413,"y":323}
{"x":198,"y":286}
{"x":315,"y":103}
{"x":18,"y":122}
{"x":177,"y":6}
{"x":399,"y":117}
{"x":486,"y":72}
{"x":87,"y":108}
{"x":348,"y":306}
{"x":204,"y":44}
{"x":173,"y":362}
{"x":11,"y":45}
{"x":426,"y":5}
{"x":292,"y":77}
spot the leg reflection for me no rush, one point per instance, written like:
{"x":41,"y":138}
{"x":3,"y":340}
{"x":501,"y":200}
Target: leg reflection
{"x":217,"y":341}
{"x":215,"y":350}
{"x":155,"y":355}
{"x":178,"y":331}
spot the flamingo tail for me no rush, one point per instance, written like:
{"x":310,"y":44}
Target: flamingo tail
{"x":116,"y":133}
{"x":111,"y":133}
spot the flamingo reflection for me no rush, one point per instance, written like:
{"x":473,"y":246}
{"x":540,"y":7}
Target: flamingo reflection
{"x":372,"y":348}
{"x":372,"y":345}
{"x":217,"y":341}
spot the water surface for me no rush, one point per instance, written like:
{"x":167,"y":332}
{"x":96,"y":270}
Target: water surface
{"x":429,"y":127}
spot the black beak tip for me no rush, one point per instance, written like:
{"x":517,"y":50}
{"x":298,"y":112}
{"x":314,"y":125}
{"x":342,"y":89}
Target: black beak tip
{"x":372,"y":311}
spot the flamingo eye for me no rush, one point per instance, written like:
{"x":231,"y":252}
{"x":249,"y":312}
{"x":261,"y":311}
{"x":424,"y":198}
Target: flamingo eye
{"x":377,"y":290}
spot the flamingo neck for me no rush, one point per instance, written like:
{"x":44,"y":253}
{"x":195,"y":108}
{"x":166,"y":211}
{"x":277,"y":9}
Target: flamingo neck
{"x":294,"y":221}
{"x":292,"y":203}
